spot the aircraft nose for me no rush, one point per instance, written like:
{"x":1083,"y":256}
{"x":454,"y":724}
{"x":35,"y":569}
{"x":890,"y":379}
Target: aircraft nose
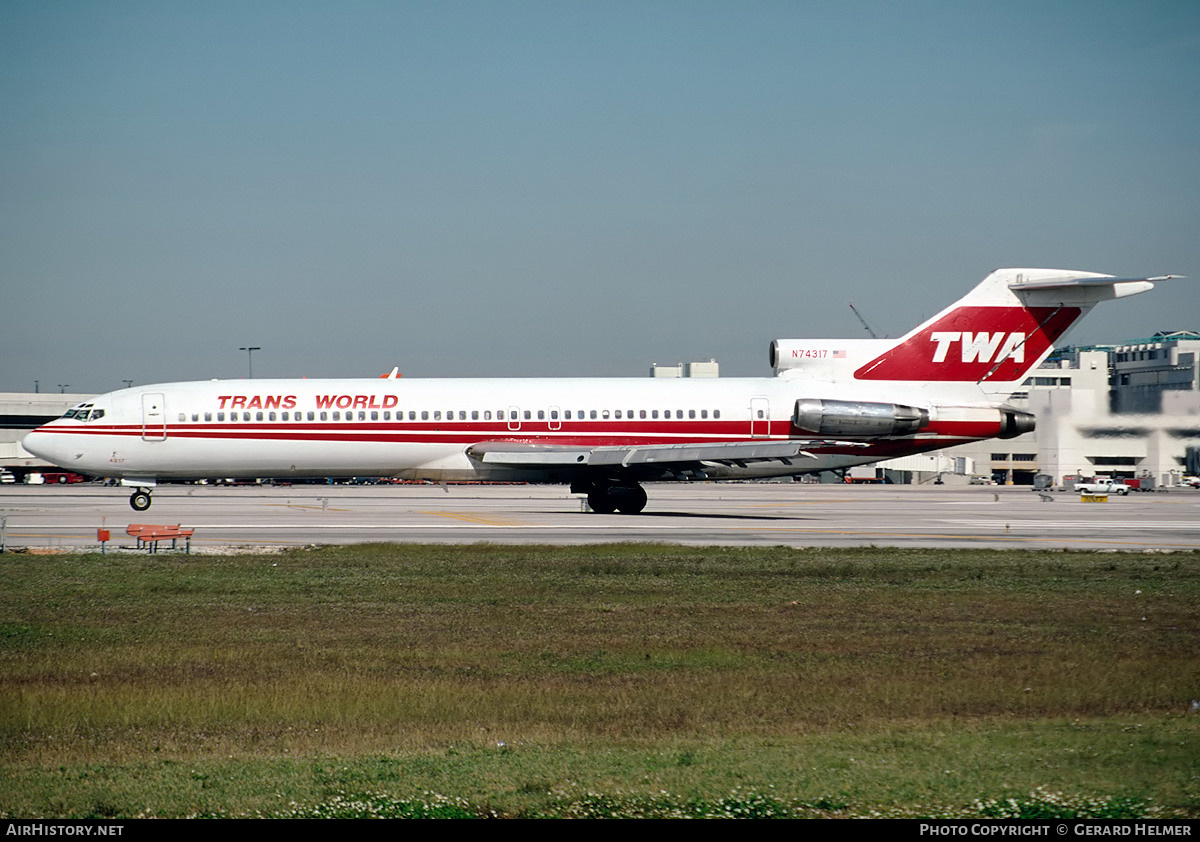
{"x":45,"y":445}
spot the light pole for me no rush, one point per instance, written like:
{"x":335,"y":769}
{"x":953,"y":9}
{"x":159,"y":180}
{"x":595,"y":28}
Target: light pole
{"x":250,"y":356}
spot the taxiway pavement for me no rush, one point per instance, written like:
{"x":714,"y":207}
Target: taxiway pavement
{"x":794,"y":514}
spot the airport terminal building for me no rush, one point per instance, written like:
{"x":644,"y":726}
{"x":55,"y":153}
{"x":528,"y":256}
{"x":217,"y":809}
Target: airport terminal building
{"x":1130,"y":410}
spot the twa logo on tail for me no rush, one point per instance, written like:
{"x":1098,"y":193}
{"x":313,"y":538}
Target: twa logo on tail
{"x":969,"y":344}
{"x":980,"y":346}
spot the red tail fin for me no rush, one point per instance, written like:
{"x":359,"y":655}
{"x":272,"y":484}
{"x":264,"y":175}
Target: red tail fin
{"x":1001,"y":329}
{"x":970,"y":344}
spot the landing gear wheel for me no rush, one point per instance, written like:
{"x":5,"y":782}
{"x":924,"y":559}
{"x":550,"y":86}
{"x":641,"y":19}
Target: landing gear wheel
{"x":631,"y":500}
{"x":599,"y":500}
{"x":139,"y":501}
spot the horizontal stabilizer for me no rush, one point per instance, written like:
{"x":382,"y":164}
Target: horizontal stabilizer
{"x":1074,"y":281}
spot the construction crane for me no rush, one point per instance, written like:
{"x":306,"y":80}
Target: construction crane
{"x":866,"y":326}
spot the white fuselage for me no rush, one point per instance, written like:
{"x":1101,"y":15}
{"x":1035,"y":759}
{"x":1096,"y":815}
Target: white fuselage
{"x":422,"y":429}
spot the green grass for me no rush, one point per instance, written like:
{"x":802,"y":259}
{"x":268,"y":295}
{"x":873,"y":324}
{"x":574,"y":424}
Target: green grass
{"x":612,"y":680}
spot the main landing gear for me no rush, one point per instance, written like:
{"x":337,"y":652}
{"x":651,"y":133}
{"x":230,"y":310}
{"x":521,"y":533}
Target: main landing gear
{"x":628,"y":498}
{"x":139,"y":501}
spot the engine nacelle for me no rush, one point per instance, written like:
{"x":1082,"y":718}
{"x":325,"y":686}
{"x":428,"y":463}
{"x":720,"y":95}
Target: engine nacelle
{"x":1014,"y":422}
{"x":824,"y":355}
{"x":858,"y":418}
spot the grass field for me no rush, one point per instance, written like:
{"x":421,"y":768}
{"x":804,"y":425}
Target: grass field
{"x":611,"y":680}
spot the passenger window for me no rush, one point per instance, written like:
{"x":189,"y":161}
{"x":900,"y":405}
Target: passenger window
{"x":487,"y":415}
{"x":374,"y":415}
{"x":182,"y":417}
{"x":593,"y":415}
{"x":337,"y":416}
{"x":641,"y":413}
{"x":716,"y":413}
{"x":208,"y":416}
{"x":324,"y":416}
{"x":704,"y":413}
{"x":618,"y":415}
{"x":285,"y":417}
{"x":220,"y":416}
{"x":691,"y":413}
{"x":474,"y":414}
{"x":541,"y":415}
{"x":528,"y":415}
{"x":270,"y":416}
{"x":362,"y":416}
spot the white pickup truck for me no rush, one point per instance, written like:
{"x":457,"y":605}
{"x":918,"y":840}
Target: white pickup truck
{"x":1102,"y":485}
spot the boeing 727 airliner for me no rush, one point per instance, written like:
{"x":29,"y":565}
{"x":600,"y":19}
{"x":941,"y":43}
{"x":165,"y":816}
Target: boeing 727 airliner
{"x":832,"y":403}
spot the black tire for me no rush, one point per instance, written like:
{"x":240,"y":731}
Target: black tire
{"x":139,"y":501}
{"x":632,"y":500}
{"x":601,"y":501}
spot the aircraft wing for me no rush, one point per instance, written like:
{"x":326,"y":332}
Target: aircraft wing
{"x":520,"y":455}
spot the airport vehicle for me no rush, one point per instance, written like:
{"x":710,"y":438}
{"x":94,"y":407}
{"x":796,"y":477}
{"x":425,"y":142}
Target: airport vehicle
{"x":1102,"y":485}
{"x":831,"y":404}
{"x":62,"y":477}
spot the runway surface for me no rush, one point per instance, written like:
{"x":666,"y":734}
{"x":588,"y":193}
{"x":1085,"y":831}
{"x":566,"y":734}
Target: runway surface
{"x":48,"y":517}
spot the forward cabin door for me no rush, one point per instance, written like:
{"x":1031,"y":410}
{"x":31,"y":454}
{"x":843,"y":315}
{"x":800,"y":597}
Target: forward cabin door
{"x":154,"y":417}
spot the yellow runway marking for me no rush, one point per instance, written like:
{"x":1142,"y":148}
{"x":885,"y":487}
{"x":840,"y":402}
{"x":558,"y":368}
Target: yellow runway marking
{"x":486,"y":520}
{"x":801,"y":503}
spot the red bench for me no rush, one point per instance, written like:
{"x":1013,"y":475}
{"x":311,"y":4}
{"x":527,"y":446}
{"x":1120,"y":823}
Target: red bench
{"x":148,"y":535}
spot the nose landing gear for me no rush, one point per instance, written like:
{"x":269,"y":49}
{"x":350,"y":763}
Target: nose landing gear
{"x":139,"y":501}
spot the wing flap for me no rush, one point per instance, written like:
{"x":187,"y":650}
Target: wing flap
{"x":519,"y":455}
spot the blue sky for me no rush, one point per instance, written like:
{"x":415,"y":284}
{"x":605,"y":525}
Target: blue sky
{"x":568,"y":188}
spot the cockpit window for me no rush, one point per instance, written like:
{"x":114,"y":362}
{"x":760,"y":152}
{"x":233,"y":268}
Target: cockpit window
{"x":83,"y":412}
